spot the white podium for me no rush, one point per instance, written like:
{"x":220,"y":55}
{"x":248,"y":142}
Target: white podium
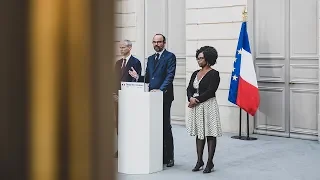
{"x":140,"y":131}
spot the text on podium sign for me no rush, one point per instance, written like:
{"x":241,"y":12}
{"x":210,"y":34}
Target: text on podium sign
{"x":139,"y":86}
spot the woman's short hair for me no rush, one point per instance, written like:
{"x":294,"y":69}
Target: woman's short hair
{"x":210,"y":54}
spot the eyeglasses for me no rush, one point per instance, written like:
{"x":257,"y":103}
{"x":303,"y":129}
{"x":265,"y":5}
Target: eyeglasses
{"x":157,"y":42}
{"x":200,"y":58}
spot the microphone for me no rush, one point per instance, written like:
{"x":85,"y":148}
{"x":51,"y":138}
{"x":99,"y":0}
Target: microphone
{"x":146,"y":88}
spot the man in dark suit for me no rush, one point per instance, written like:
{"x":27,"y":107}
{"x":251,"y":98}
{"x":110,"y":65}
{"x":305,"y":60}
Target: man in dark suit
{"x":122,"y":68}
{"x":160,"y":72}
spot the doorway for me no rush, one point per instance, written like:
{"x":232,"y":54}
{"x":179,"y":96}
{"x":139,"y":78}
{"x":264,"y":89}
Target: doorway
{"x":286,"y":57}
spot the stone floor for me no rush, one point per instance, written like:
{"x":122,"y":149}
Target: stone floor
{"x":268,"y":158}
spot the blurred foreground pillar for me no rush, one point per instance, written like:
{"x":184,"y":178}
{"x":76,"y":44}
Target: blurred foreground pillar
{"x":70,"y":99}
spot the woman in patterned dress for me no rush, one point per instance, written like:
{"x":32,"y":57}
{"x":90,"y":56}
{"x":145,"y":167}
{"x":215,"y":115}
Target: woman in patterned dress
{"x":203,"y":118}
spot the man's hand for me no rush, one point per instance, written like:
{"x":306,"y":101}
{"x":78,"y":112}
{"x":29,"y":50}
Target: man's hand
{"x":133,"y":73}
{"x":193,"y":102}
{"x":155,"y":90}
{"x":115,"y":97}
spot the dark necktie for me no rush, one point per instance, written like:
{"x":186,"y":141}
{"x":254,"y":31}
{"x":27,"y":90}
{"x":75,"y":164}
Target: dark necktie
{"x":157,"y":58}
{"x":123,"y":65}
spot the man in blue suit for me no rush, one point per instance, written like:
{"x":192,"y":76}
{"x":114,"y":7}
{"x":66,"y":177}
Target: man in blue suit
{"x":160,"y":72}
{"x":122,"y":68}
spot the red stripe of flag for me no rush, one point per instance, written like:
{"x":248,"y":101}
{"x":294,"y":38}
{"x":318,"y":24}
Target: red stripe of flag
{"x":248,"y":97}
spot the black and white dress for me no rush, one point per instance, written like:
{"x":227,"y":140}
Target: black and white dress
{"x":203,"y":119}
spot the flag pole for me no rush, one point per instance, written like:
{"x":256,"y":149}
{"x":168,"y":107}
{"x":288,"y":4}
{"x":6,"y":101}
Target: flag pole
{"x":244,"y":15}
{"x":248,"y":138}
{"x":239,"y":136}
{"x":244,"y":18}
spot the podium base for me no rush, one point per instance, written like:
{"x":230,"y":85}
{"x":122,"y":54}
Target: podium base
{"x":140,"y":149}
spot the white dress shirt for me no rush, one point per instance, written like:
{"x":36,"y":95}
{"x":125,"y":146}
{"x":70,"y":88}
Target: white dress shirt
{"x":160,"y":53}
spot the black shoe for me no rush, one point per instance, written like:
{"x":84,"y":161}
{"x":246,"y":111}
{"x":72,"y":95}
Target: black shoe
{"x":208,"y":168}
{"x":198,"y":166}
{"x":170,"y":163}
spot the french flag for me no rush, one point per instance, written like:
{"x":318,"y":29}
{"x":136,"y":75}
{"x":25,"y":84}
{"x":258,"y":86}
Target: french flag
{"x":244,"y":90}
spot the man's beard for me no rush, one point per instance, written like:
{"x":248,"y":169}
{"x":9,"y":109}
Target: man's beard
{"x":157,"y":48}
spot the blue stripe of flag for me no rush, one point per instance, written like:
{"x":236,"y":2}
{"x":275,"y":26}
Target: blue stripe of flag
{"x":243,"y":43}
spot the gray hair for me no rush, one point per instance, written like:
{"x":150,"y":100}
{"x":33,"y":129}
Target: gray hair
{"x":128,"y":42}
